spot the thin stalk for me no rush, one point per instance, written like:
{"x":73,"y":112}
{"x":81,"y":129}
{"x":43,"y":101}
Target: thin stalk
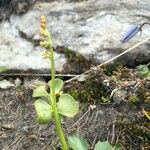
{"x":53,"y":101}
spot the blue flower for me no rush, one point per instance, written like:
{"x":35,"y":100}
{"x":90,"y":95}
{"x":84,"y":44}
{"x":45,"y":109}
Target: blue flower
{"x":131,"y":33}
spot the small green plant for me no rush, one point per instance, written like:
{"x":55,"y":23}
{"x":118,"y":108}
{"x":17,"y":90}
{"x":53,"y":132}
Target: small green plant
{"x":52,"y":105}
{"x":144,"y":70}
{"x":3,"y":69}
{"x":77,"y":143}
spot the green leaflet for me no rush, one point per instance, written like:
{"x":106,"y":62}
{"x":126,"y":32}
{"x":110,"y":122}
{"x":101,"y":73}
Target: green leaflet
{"x":67,"y":105}
{"x":44,"y":111}
{"x":58,"y":85}
{"x":77,"y":143}
{"x":40,"y":92}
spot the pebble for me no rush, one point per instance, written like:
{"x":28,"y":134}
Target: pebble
{"x":31,"y":83}
{"x":5,"y":84}
{"x":17,"y":82}
{"x":119,"y":96}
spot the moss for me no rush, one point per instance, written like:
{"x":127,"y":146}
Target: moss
{"x":141,"y":93}
{"x":138,"y":96}
{"x":69,"y":54}
{"x":117,"y":70}
{"x":134,"y":99}
{"x":72,"y":56}
{"x":135,"y":133}
{"x":76,"y":63}
{"x":92,"y":90}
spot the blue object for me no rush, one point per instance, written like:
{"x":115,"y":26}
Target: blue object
{"x":131,"y":33}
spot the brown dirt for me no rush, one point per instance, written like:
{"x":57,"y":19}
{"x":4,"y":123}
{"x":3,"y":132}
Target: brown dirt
{"x":122,"y":123}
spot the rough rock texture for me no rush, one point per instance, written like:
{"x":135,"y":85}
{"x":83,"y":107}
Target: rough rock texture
{"x":4,"y":84}
{"x":92,"y":28}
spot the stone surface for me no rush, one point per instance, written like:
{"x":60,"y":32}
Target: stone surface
{"x":17,"y":82}
{"x":92,"y":28}
{"x":119,"y":96}
{"x":32,"y":83}
{"x":19,"y":53}
{"x":4,"y":84}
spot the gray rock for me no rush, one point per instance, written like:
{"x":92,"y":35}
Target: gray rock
{"x":17,"y":82}
{"x":92,"y":28}
{"x":119,"y":96}
{"x":32,"y":83}
{"x":5,"y":84}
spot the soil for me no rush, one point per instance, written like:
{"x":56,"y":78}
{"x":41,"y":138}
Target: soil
{"x":100,"y":117}
{"x":111,"y":103}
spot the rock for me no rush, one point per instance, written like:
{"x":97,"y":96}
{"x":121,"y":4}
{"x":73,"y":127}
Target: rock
{"x":8,"y":127}
{"x":119,"y":96}
{"x":92,"y":28}
{"x":7,"y":7}
{"x":32,"y":83}
{"x":22,"y":53}
{"x":17,"y":82}
{"x":4,"y":84}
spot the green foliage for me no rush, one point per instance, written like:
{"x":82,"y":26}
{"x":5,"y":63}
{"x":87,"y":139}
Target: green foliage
{"x":44,"y":111}
{"x":3,"y":69}
{"x":134,"y":98}
{"x":77,"y":143}
{"x":40,"y":92}
{"x":92,"y":89}
{"x":58,"y":85}
{"x":106,"y":146}
{"x":103,"y":146}
{"x":144,"y":70}
{"x":67,"y":105}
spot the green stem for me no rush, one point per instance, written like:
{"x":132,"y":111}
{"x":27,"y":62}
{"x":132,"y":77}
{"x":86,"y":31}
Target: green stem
{"x":54,"y":105}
